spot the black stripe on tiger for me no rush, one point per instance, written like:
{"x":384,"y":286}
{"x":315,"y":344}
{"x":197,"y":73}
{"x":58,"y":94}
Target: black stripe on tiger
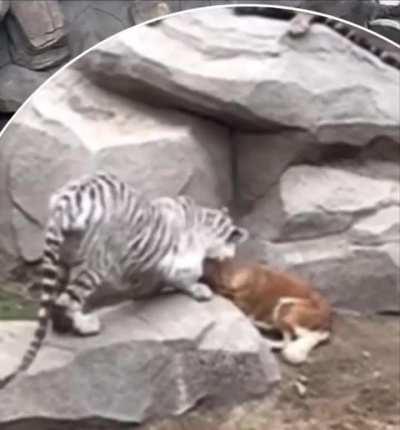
{"x":49,"y":272}
{"x":346,"y":30}
{"x":99,"y":228}
{"x":153,"y":247}
{"x":355,"y":35}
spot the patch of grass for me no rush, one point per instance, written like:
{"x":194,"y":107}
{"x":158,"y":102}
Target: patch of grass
{"x":14,"y":306}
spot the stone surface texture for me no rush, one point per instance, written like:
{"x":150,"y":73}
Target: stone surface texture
{"x":301,"y":138}
{"x":227,"y":124}
{"x":238,"y":98}
{"x":168,"y":355}
{"x":37,"y":34}
{"x":44,"y":34}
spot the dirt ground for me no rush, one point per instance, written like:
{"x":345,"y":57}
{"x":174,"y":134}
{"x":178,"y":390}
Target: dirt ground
{"x":352,"y":383}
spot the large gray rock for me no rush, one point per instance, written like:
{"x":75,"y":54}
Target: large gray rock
{"x":17,"y":84}
{"x":30,"y":209}
{"x":323,"y":200}
{"x":90,"y":22}
{"x":378,"y":228}
{"x":221,"y":75}
{"x":157,"y":358}
{"x":159,"y":151}
{"x":37,"y":34}
{"x":263,"y":157}
{"x":37,"y":31}
{"x":22,"y":232}
{"x":361,"y":278}
{"x":9,"y":254}
{"x":336,"y":225}
{"x":243,"y":116}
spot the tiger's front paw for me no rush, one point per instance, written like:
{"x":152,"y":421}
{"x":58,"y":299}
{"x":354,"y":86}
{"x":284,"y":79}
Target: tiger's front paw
{"x":86,"y":325}
{"x":200,"y":292}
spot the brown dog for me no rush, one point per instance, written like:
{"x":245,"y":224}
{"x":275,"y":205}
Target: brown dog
{"x":274,"y":300}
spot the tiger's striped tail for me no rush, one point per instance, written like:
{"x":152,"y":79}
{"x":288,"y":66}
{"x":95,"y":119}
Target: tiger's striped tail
{"x":32,"y":351}
{"x":50,"y":278}
{"x":355,"y":36}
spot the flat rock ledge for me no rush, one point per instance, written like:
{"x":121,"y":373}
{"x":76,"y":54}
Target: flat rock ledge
{"x":153,"y":359}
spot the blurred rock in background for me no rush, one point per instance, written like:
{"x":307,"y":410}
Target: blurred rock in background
{"x":38,"y":36}
{"x":308,"y":158}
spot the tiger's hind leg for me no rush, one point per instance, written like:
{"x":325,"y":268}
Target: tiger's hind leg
{"x":67,"y":315}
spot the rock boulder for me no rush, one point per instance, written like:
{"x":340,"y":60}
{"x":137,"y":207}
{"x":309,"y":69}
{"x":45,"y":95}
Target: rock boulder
{"x":299,"y":136}
{"x":159,"y":151}
{"x":37,"y":34}
{"x":245,"y":76}
{"x":17,"y":84}
{"x":155,"y":358}
{"x":322,"y":200}
{"x":337,"y":226}
{"x":357,"y":277}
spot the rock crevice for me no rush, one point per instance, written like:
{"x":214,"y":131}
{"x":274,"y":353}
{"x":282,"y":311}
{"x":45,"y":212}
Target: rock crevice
{"x":286,"y":185}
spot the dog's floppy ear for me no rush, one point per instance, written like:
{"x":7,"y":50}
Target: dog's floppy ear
{"x":238,"y":235}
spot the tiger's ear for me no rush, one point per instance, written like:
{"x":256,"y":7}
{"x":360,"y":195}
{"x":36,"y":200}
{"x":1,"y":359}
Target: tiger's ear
{"x":238,"y":235}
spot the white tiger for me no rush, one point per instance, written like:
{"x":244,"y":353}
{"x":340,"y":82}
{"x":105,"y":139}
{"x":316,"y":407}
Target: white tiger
{"x":101,"y":230}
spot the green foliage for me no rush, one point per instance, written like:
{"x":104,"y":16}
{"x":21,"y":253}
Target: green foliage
{"x":14,"y":306}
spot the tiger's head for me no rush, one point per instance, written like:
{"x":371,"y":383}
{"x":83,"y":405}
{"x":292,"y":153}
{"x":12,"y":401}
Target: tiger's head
{"x":223,"y":236}
{"x":213,"y":227}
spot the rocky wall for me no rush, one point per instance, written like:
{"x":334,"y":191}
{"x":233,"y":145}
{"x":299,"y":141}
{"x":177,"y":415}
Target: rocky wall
{"x":300,"y":137}
{"x":39,"y":36}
